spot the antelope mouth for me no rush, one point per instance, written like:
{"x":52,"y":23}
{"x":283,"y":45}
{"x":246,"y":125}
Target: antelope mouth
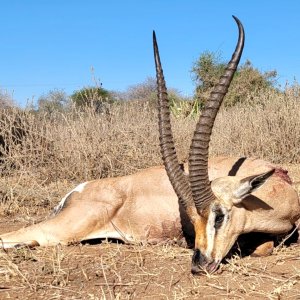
{"x":200,"y":264}
{"x":210,"y":268}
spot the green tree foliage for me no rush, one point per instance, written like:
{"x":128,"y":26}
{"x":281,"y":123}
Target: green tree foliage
{"x":208,"y":69}
{"x":92,"y":97}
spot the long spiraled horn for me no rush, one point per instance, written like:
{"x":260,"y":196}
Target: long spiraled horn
{"x":198,"y":160}
{"x":178,"y":179}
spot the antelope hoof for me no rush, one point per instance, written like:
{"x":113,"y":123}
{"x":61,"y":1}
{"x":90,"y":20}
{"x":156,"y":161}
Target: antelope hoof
{"x":264,"y":249}
{"x":31,"y":244}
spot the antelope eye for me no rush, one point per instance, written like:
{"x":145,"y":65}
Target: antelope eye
{"x":218,"y":220}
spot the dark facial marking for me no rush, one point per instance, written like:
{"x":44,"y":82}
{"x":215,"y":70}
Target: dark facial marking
{"x":219,"y":218}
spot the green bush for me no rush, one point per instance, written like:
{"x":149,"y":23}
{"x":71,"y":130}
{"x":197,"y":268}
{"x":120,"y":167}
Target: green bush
{"x":247,"y":80}
{"x":92,"y":97}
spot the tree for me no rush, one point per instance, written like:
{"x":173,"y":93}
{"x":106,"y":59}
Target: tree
{"x":247,"y":79}
{"x":145,"y":91}
{"x":207,"y":71}
{"x":92,"y":97}
{"x":6,"y":100}
{"x":53,"y":101}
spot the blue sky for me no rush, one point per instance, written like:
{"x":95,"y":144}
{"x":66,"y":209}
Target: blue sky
{"x":48,"y":45}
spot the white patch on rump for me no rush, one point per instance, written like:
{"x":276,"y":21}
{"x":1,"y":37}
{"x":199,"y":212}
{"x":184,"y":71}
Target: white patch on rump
{"x":79,"y":188}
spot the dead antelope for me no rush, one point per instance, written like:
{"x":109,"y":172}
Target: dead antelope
{"x":219,"y":199}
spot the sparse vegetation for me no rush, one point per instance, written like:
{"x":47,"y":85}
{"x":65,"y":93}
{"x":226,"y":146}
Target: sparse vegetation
{"x":112,"y":271}
{"x":6,"y":99}
{"x":77,"y":145}
{"x":145,"y":91}
{"x":53,"y":101}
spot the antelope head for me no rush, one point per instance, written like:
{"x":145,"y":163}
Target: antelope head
{"x":213,"y":207}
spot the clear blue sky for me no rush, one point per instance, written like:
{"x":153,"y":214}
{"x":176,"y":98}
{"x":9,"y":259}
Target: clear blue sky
{"x":53,"y":44}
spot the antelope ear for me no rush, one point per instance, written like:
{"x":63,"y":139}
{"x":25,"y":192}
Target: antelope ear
{"x":249,"y":185}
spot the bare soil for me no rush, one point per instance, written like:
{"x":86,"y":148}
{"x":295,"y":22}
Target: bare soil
{"x":114,"y":271}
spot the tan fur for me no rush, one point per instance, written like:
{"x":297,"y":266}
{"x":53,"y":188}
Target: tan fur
{"x":264,"y":249}
{"x":200,"y":229}
{"x":144,"y":207}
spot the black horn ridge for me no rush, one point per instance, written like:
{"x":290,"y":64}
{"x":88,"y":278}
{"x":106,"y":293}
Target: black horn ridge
{"x":178,"y":179}
{"x":198,"y":159}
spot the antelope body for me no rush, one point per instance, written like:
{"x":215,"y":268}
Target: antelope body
{"x":211,"y":202}
{"x":143,"y":207}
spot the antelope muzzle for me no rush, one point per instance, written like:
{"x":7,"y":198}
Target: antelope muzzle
{"x":201,"y":264}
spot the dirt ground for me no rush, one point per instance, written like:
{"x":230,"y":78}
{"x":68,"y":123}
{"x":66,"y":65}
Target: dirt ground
{"x":112,"y":271}
{"x":115,"y":271}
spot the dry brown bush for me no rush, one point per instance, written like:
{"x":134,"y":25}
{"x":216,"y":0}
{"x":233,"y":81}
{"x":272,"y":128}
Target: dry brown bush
{"x":265,"y":125}
{"x":67,"y":148}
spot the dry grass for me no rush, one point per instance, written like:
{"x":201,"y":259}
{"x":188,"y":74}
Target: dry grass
{"x":112,"y":271}
{"x":83,"y":145}
{"x":61,"y":150}
{"x":265,"y":126}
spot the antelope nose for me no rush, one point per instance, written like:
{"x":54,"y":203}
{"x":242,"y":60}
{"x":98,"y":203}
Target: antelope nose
{"x":199,"y":261}
{"x":195,"y":270}
{"x":199,"y":258}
